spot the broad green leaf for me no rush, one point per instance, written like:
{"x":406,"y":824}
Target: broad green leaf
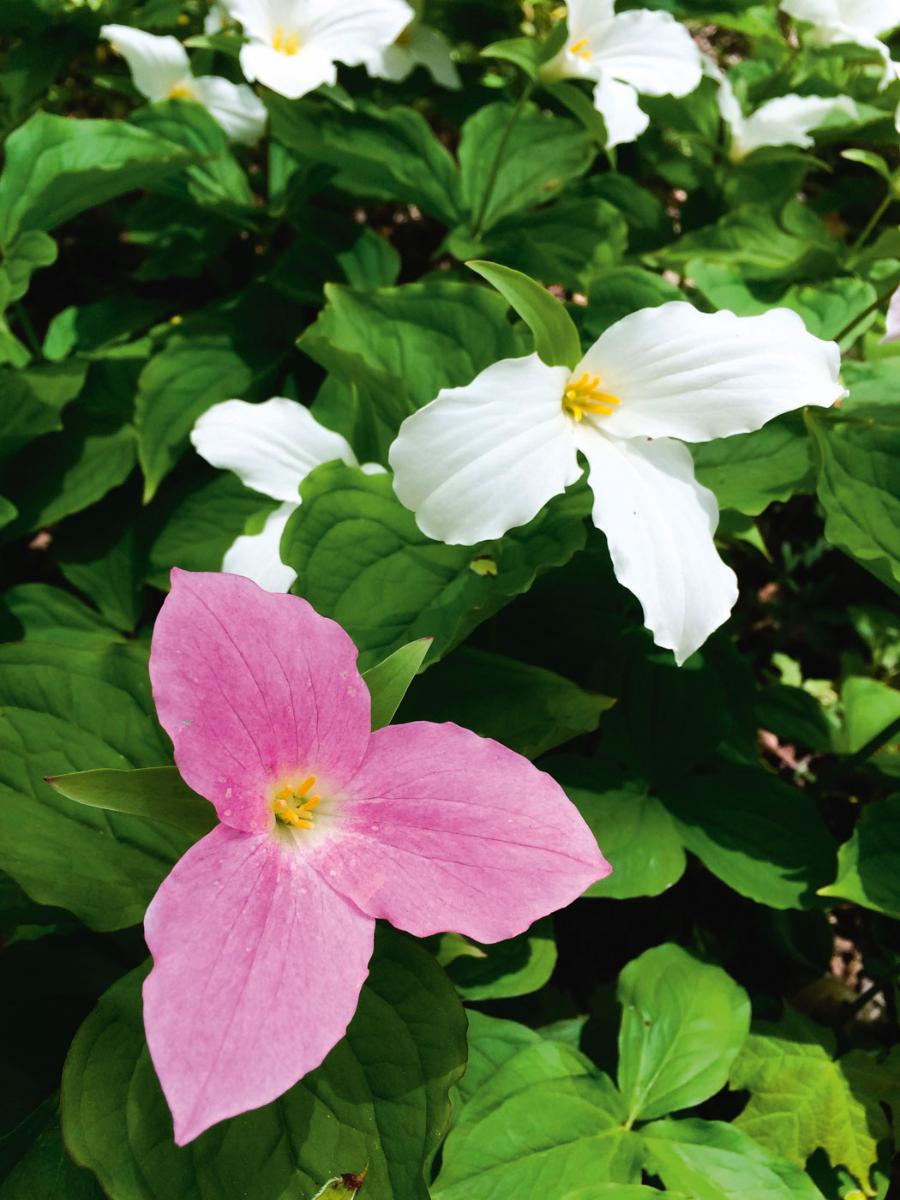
{"x":621,"y":1191}
{"x":152,"y":793}
{"x":492,"y":1042}
{"x":42,"y":613}
{"x":713,"y":1161}
{"x":856,"y":460}
{"x":389,"y":153}
{"x":45,"y":1171}
{"x":343,"y":1187}
{"x":195,"y":517}
{"x":32,"y":401}
{"x":525,"y":52}
{"x":64,"y":709}
{"x":539,"y":1127}
{"x":335,"y":251}
{"x":188,"y":376}
{"x":102,"y":553}
{"x":620,"y":291}
{"x":29,"y":252}
{"x":750,"y":470}
{"x":515,"y":967}
{"x":92,"y":328}
{"x":397,"y":347}
{"x":362,"y":560}
{"x":633,"y":828}
{"x":556,"y":338}
{"x":758,"y":834}
{"x":56,"y":167}
{"x":869,"y":707}
{"x":349,"y":1113}
{"x":569,"y":242}
{"x":389,"y":680}
{"x":869,"y":863}
{"x":527,"y":708}
{"x":801,"y":1099}
{"x":503,"y":171}
{"x":683,"y":1023}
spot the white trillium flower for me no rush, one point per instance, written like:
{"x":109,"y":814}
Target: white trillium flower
{"x":161,"y":70}
{"x":418,"y":45}
{"x":482,"y":459}
{"x":271,"y":447}
{"x":892,"y":321}
{"x":836,"y":22}
{"x":294,"y":45}
{"x":785,"y":121}
{"x":625,"y":54}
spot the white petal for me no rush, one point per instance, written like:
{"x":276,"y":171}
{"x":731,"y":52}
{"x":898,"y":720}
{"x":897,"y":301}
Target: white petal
{"x":157,"y":64}
{"x":291,"y":75}
{"x":482,"y":459}
{"x":787,"y":121}
{"x":892,"y":321}
{"x":258,"y":555}
{"x":236,"y":107}
{"x":349,"y":31}
{"x":260,"y":18}
{"x":582,"y":15}
{"x":816,"y":12}
{"x":271,"y":447}
{"x":729,"y":108}
{"x":678,"y":372}
{"x":617,"y":103}
{"x":659,"y":523}
{"x":649,"y":50}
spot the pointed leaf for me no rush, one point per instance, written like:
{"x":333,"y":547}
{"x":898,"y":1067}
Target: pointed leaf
{"x":556,"y":339}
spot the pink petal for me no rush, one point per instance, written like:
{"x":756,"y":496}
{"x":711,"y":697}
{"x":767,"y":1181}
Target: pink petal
{"x":257,"y":970}
{"x":254,"y":690}
{"x":450,"y":831}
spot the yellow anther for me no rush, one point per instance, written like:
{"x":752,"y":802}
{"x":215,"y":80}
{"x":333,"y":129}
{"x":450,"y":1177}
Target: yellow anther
{"x":180,"y":92}
{"x":584,"y":395}
{"x":286,"y":43}
{"x":580,"y":49}
{"x":292,"y":805}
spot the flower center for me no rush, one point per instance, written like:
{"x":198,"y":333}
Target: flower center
{"x":581,"y":49}
{"x":293,"y":805}
{"x":180,"y":91}
{"x":583,"y":395}
{"x":286,"y":43}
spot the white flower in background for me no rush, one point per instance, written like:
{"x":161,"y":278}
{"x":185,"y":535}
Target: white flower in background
{"x":785,"y":121}
{"x":892,"y":321}
{"x":271,"y":447}
{"x":161,"y":70}
{"x":215,"y":19}
{"x":418,"y":45}
{"x":294,"y":45}
{"x":482,"y":459}
{"x":836,"y":22}
{"x":625,"y":54}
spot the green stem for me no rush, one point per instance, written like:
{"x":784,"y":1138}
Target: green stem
{"x":875,"y":218}
{"x":28,"y":329}
{"x":876,"y":303}
{"x":498,"y":158}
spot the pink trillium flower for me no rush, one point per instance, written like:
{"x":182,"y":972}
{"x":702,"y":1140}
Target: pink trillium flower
{"x":262,"y":933}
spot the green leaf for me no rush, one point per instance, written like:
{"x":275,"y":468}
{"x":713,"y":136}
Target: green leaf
{"x":633,"y":828}
{"x":869,"y":707}
{"x":29,"y":252}
{"x":749,"y":471}
{"x":556,"y":338}
{"x":397,"y":347}
{"x":504,"y":170}
{"x":188,"y":376}
{"x":388,"y":153}
{"x":527,"y":708}
{"x":801,"y":1099}
{"x":515,"y":967}
{"x":713,"y":1161}
{"x":64,"y":709}
{"x":683,"y":1023}
{"x":56,"y":167}
{"x":350,"y":1112}
{"x":32,"y":400}
{"x":45,"y":1171}
{"x":525,"y":52}
{"x":616,"y":293}
{"x":758,"y":834}
{"x":152,"y":793}
{"x":389,"y":680}
{"x":869,"y":863}
{"x":361,"y":559}
{"x":544,"y":1122}
{"x":857,"y":485}
{"x":42,"y":613}
{"x":621,"y":1191}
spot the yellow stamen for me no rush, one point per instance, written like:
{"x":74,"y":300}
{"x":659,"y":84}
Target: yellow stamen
{"x":290,"y":807}
{"x":583,"y":395}
{"x":580,"y":49}
{"x":286,"y":43}
{"x":180,"y":92}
